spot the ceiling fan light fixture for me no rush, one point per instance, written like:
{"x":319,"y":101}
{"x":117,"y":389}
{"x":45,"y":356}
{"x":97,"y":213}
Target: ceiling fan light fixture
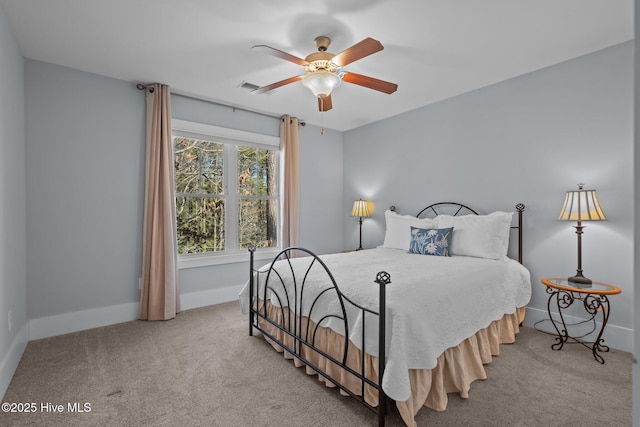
{"x":321,"y":83}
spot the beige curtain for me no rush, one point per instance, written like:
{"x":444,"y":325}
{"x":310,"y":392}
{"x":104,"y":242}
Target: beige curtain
{"x":159,"y":296}
{"x":290,"y":146}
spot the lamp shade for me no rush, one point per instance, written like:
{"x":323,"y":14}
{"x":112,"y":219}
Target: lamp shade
{"x":362,"y":208}
{"x":581,"y":205}
{"x":321,"y":83}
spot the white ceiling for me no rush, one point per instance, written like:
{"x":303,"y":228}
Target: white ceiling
{"x":434,"y":49}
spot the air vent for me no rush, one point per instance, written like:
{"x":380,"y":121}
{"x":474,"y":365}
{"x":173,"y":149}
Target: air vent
{"x":249,"y":86}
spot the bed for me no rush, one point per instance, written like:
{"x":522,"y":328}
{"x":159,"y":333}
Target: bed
{"x":407,"y":322}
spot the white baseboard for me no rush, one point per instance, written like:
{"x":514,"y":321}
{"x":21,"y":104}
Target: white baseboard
{"x":10,"y":361}
{"x":210,"y":297}
{"x":50,"y":326}
{"x":615,"y":336}
{"x":65,"y":323}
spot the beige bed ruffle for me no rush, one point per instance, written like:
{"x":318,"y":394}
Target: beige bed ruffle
{"x":456,"y":368}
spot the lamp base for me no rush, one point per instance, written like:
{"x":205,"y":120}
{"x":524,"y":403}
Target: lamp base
{"x":580,"y":281}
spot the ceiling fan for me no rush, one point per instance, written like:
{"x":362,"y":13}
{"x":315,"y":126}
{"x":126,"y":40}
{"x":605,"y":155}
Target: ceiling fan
{"x":323,"y":70}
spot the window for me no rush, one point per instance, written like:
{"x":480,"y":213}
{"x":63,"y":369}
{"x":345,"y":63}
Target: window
{"x":227,"y":193}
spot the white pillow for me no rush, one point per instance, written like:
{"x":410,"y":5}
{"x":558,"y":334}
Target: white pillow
{"x":398,"y":232}
{"x":482,"y":236}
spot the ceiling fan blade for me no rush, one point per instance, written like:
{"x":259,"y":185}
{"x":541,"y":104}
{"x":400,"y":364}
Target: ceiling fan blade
{"x":275,"y":85}
{"x":370,"y":82}
{"x":359,"y":50}
{"x":324,"y":104}
{"x":280,"y":54}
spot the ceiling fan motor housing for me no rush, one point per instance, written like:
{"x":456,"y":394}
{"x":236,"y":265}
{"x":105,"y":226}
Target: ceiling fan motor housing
{"x":320,"y":61}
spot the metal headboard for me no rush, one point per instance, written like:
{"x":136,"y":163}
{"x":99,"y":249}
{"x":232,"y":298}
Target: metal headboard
{"x":455,"y":209}
{"x":449,"y":208}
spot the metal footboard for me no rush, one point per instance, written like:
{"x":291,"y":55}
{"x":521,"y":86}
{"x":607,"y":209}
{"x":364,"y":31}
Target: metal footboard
{"x":294,"y":309}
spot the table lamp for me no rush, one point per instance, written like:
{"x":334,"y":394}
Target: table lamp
{"x":581,"y":205}
{"x":363,"y":209}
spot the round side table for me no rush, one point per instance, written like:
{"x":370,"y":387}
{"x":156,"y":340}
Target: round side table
{"x":594,"y":298}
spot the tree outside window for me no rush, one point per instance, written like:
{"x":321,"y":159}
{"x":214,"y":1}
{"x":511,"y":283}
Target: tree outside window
{"x":227,"y":196}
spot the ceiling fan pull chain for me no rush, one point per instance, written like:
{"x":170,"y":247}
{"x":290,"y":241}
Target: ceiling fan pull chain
{"x":322,"y":116}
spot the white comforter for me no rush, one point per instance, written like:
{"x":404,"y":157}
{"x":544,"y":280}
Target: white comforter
{"x":433,"y":302}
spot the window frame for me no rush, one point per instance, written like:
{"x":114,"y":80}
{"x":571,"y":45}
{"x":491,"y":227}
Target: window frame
{"x":229,"y":137}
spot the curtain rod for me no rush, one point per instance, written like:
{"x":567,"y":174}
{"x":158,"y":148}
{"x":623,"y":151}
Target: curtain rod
{"x":141,"y":86}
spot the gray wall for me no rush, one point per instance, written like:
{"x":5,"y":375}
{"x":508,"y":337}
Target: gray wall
{"x":85,"y":172}
{"x":528,"y":139}
{"x":13,"y":261}
{"x":321,"y":212}
{"x":636,"y":365}
{"x":85,"y":189}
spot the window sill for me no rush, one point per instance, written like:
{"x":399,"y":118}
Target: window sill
{"x":205,"y":260}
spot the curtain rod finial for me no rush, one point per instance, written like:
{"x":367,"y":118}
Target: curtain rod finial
{"x":140,"y":86}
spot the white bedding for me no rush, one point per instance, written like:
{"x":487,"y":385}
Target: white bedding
{"x":433,"y":302}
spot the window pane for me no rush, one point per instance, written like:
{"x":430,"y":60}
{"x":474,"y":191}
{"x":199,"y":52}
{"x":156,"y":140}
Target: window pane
{"x":198,"y":166}
{"x":257,"y":172}
{"x":200,"y":224}
{"x":258,"y":223}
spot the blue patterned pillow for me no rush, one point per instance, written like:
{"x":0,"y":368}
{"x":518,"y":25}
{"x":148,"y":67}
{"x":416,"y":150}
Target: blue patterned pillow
{"x":430,"y":241}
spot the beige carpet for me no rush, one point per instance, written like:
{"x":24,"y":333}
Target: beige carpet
{"x":202,"y":369}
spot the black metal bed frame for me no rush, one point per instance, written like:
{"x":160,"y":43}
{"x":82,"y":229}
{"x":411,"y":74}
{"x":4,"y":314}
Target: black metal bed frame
{"x":304,"y":337}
